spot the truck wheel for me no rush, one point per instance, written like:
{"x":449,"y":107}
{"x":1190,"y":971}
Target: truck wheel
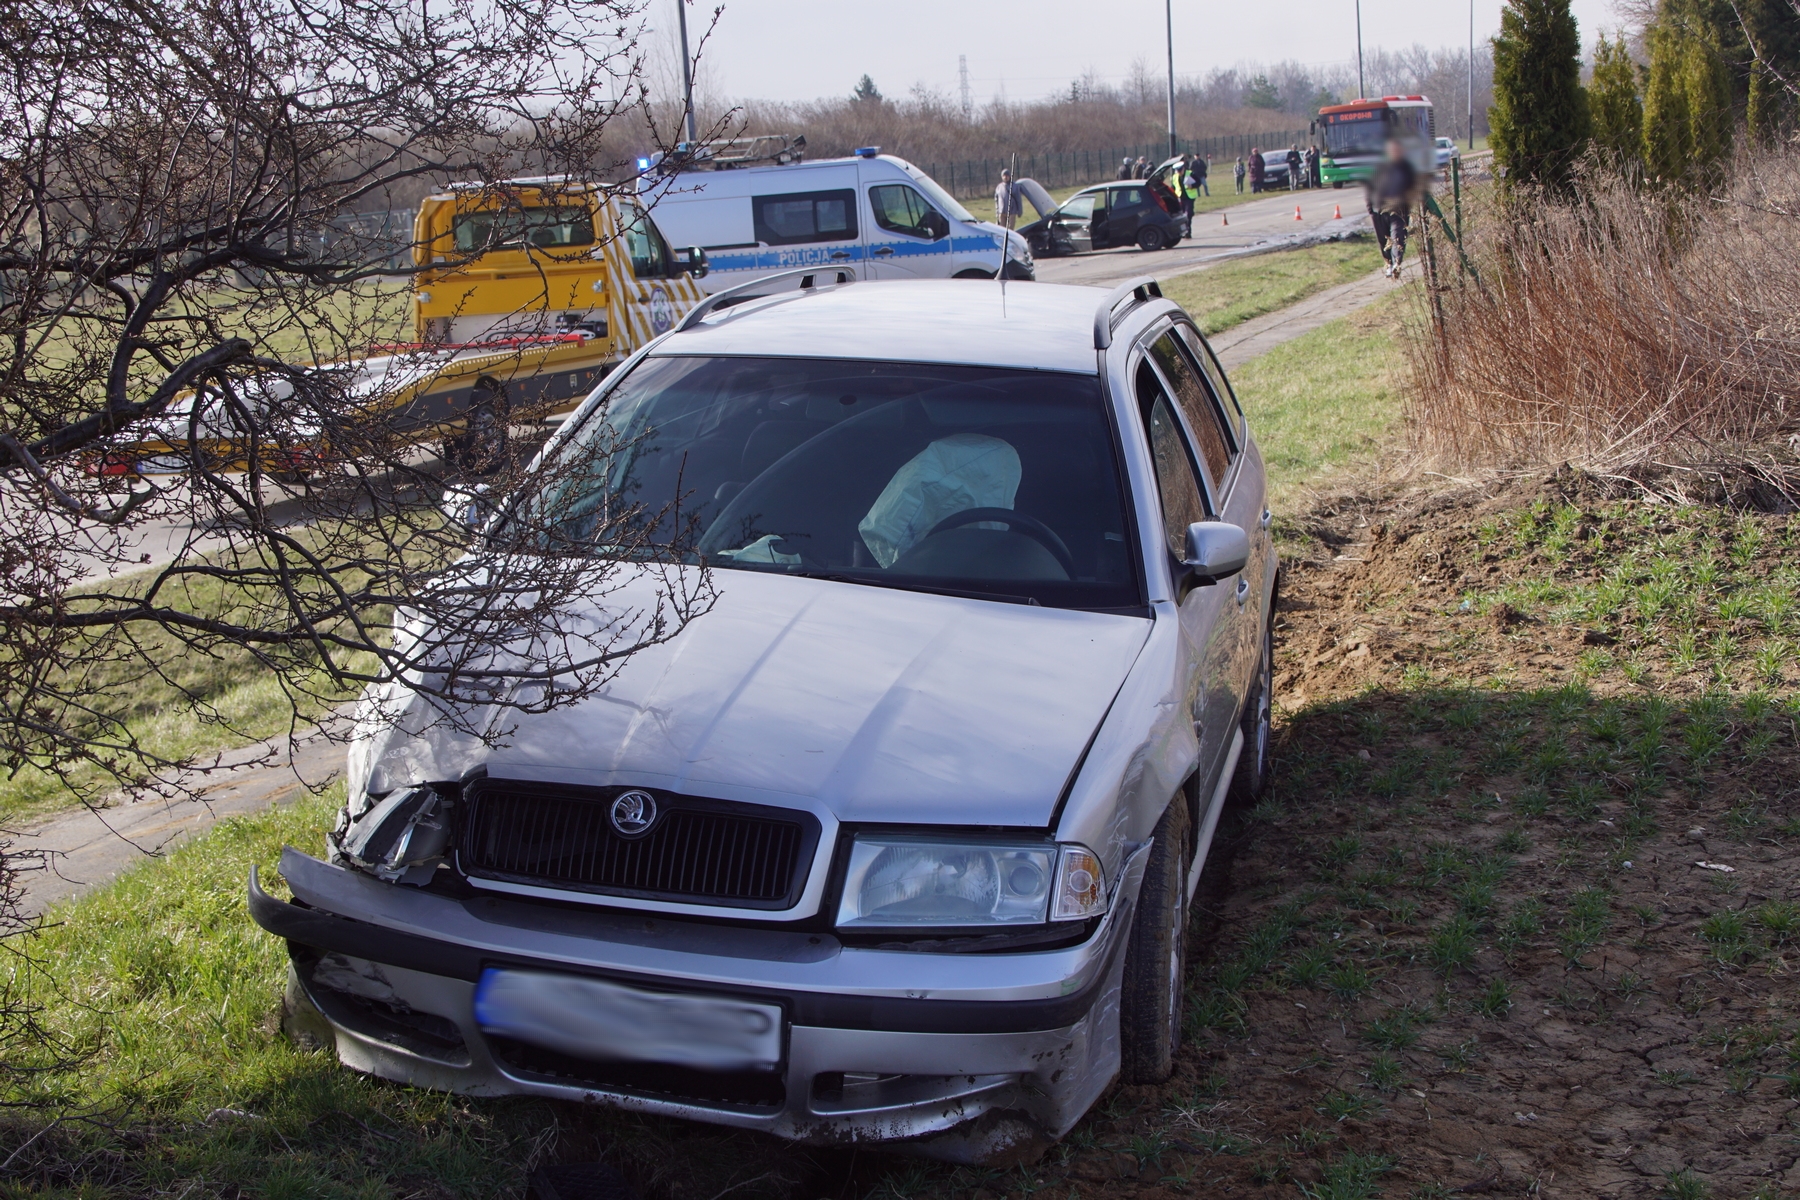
{"x":1151,"y":238}
{"x":1150,"y":997}
{"x":1251,"y":779}
{"x":484,"y":445}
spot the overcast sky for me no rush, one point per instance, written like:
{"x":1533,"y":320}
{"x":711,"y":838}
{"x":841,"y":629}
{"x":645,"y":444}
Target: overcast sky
{"x":804,"y":49}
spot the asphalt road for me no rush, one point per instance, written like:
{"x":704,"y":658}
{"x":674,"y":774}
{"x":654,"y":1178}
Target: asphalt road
{"x":1255,"y":227}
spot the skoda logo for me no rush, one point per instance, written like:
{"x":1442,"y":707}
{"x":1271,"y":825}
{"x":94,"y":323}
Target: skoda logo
{"x":633,"y":813}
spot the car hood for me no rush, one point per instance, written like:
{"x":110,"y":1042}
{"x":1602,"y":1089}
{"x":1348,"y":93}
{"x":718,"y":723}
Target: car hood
{"x":873,"y":704}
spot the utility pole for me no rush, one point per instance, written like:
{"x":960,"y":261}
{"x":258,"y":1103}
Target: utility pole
{"x":1471,"y":74}
{"x":687,"y":73}
{"x":1362,"y":91}
{"x":962,"y":69}
{"x":1169,"y":22}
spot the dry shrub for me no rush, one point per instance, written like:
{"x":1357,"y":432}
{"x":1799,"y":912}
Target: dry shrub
{"x":1632,"y":328}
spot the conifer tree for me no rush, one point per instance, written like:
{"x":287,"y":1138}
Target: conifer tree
{"x":1618,"y":114}
{"x":1539,"y":120}
{"x":1668,"y":136}
{"x":1707,"y":82}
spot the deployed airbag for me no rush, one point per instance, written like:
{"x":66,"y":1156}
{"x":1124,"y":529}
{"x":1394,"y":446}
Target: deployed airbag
{"x":952,"y":474}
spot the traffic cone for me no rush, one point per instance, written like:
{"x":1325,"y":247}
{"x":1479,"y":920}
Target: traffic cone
{"x":1297,"y":215}
{"x":1224,"y":218}
{"x":1337,"y":212}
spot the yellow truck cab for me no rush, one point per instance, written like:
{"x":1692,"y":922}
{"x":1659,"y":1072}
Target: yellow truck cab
{"x":526,"y":294}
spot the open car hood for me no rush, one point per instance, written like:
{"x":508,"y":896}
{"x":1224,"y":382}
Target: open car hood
{"x":878,"y":705}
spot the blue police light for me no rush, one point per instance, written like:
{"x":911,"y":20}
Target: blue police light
{"x":643,"y":164}
{"x":866,"y":151}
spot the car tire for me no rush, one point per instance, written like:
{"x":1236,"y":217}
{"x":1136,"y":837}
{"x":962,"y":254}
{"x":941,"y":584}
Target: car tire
{"x":1150,"y":996}
{"x":973,"y":273}
{"x":1151,"y":238}
{"x":1251,"y":779}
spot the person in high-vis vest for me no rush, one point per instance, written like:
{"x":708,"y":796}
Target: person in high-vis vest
{"x":1190,"y":188}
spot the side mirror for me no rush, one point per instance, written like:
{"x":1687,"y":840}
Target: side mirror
{"x":1215,"y":550}
{"x":693,"y":260}
{"x":467,"y":508}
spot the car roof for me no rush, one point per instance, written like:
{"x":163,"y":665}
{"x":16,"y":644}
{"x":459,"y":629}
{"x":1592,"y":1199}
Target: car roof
{"x":1035,"y":326}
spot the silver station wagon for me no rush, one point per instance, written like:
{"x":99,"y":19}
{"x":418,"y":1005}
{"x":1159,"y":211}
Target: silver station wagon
{"x":895,"y":843}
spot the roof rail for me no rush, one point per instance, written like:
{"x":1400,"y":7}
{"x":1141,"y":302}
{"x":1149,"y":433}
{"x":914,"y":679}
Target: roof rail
{"x":745,"y":290}
{"x":1141,"y":290}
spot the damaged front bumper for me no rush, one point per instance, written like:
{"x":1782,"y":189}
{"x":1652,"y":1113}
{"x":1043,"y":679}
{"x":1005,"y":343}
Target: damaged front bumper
{"x":972,"y":1057}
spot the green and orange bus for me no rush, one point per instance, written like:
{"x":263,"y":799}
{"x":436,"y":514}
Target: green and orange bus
{"x":1355,"y":136}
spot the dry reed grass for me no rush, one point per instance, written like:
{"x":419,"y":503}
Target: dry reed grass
{"x":1635,"y":332}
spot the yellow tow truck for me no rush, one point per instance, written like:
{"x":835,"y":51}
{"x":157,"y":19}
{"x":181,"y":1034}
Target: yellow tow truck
{"x":526,"y":294}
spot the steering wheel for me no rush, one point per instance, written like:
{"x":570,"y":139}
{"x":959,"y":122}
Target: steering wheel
{"x":1031,"y":527}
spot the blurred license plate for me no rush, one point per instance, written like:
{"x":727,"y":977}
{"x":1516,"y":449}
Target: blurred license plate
{"x":594,"y":1019}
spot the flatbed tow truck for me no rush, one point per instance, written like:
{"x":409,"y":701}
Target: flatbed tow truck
{"x":525,"y":295}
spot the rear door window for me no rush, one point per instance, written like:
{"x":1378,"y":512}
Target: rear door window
{"x":1176,"y":483}
{"x":1196,"y":402}
{"x":1215,"y":375}
{"x":801,"y":217}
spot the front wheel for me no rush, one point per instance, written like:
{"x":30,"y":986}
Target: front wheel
{"x":1150,"y":996}
{"x":1151,"y":238}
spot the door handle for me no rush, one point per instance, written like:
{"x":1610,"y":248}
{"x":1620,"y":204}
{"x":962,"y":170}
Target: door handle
{"x":883,"y":251}
{"x":1267,"y":517}
{"x":836,"y":254}
{"x":1243,"y":591}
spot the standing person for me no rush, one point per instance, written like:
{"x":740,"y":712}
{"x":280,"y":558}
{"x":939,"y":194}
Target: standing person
{"x":1390,"y":197}
{"x":1237,"y":174}
{"x":1006,"y":201}
{"x":1317,"y":181}
{"x":1125,"y":167}
{"x":1258,"y":169}
{"x":1293,"y":164}
{"x":1142,"y":168}
{"x":1190,"y":191}
{"x":1203,"y":168}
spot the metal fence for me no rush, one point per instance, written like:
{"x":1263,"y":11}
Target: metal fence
{"x":976,"y":177}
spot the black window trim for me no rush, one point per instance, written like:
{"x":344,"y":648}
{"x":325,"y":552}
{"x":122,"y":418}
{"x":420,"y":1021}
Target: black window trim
{"x":763,"y":232}
{"x":1215,"y":503}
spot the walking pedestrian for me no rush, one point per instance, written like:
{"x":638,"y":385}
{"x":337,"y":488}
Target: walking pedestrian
{"x":1293,"y":165}
{"x":1006,"y":201}
{"x":1259,"y":170}
{"x":1237,"y":174}
{"x":1390,"y":198}
{"x":1125,"y":167}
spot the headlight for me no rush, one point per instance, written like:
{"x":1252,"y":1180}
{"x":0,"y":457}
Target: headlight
{"x":928,"y":883}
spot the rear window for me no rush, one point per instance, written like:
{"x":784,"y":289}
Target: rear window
{"x":800,"y":217}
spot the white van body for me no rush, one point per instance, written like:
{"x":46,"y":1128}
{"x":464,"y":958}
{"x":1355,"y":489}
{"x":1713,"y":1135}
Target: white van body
{"x":872,"y":213}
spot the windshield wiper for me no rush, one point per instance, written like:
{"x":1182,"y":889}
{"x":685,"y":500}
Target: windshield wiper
{"x":870,"y":581}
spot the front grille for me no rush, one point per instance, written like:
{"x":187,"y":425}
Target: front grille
{"x":745,"y":855}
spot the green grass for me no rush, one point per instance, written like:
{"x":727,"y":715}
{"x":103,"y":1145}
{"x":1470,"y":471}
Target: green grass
{"x":1325,"y":399}
{"x":1236,"y":291}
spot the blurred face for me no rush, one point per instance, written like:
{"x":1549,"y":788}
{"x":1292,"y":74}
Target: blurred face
{"x":1395,"y":151}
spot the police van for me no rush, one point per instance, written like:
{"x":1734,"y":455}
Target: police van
{"x":756,"y":206}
